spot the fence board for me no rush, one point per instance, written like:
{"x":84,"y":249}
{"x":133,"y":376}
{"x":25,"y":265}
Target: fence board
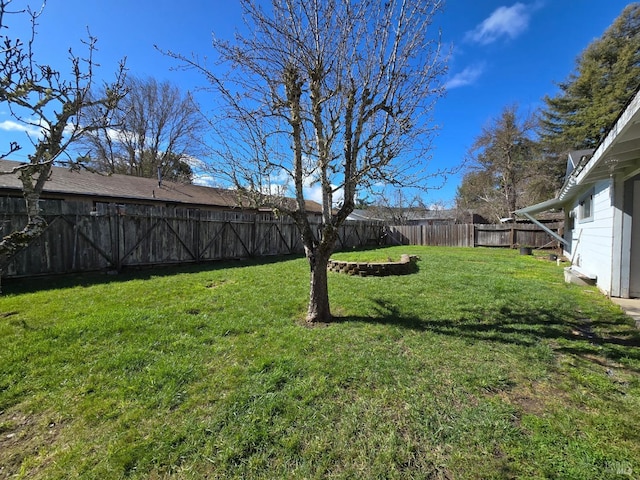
{"x":512,"y":235}
{"x":86,"y":236}
{"x":83,"y":236}
{"x":433,"y":235}
{"x":471,"y":235}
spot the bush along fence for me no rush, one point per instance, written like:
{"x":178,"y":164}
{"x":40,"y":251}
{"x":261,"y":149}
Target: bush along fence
{"x":85,"y":236}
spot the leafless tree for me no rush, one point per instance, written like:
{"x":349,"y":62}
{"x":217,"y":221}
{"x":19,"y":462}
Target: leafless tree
{"x":396,"y":207}
{"x":336,"y":94}
{"x":40,"y":96}
{"x":504,"y":166}
{"x":157,"y":128}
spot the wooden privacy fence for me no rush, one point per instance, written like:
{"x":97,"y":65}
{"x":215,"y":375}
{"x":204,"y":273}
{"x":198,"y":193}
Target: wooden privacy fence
{"x":87,"y":236}
{"x":506,"y":235}
{"x":435,"y":235}
{"x":514,"y":235}
{"x":90,"y":236}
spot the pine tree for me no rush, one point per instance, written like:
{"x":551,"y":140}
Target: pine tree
{"x":606,"y":77}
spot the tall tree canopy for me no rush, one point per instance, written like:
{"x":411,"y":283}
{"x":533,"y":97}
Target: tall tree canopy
{"x":504,"y":168}
{"x":157,"y":130}
{"x":56,"y":103}
{"x":589,"y":101}
{"x":336,"y":93}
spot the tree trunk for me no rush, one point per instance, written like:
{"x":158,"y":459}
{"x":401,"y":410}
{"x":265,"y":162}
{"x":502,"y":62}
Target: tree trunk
{"x":36,"y":224}
{"x":319,"y":310}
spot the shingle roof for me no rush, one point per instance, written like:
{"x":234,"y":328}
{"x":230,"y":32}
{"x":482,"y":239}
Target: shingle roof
{"x":416,"y":214}
{"x":126,"y":188}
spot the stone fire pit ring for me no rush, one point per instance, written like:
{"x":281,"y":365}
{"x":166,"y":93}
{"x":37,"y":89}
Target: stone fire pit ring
{"x":406,"y":265}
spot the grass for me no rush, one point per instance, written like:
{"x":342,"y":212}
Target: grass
{"x":372,"y":255}
{"x":484,"y":364}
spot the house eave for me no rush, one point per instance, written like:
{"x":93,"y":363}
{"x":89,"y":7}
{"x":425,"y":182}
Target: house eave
{"x":617,"y":154}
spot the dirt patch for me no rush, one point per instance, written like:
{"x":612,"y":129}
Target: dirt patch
{"x":23,"y":436}
{"x":533,"y":398}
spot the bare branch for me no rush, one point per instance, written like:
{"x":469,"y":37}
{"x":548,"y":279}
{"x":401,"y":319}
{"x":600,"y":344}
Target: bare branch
{"x":330,"y":93}
{"x":38,"y":95}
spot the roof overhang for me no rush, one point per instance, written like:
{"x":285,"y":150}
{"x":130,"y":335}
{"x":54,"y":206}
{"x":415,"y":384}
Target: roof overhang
{"x":617,"y":154}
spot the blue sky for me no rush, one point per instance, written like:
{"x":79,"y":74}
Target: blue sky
{"x":503,"y":52}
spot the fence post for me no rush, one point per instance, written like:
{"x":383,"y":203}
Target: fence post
{"x":254,"y":226}
{"x":196,"y":240}
{"x":114,"y":221}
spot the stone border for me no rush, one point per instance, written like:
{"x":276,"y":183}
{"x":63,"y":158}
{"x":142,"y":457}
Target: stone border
{"x":406,"y":265}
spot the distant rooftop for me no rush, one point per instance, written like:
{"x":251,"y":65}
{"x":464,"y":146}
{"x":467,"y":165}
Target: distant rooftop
{"x":408,"y":214}
{"x":126,"y":188}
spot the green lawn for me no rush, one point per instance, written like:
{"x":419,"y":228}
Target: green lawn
{"x":483,"y":364}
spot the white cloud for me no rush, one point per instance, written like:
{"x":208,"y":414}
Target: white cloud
{"x":315,"y":193}
{"x":312,"y":190}
{"x":116,"y":135}
{"x":30,"y":129}
{"x":504,"y":21}
{"x":13,"y":126}
{"x":279,"y":183}
{"x":204,"y":180}
{"x":194,"y":162}
{"x":468,"y":76}
{"x":69,"y":129}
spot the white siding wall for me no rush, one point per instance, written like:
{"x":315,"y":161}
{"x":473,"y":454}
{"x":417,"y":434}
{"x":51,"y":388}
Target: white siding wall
{"x":592,"y":239}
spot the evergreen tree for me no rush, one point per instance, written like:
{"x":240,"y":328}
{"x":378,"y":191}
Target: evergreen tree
{"x":607,"y":75}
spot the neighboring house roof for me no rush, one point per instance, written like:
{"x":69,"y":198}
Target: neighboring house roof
{"x":618,"y":153}
{"x":127,"y":188}
{"x":407,"y":214}
{"x":364,"y":215}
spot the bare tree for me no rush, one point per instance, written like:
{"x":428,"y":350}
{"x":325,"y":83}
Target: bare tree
{"x":396,"y":207}
{"x":504,"y":166}
{"x":158,"y":130}
{"x":336,"y":94}
{"x":38,"y":95}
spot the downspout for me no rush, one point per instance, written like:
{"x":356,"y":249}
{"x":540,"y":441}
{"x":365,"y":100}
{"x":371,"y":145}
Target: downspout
{"x":544,"y":227}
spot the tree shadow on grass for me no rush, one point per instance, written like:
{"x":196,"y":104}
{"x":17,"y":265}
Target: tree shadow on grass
{"x":610,"y":335}
{"x":86,"y":279}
